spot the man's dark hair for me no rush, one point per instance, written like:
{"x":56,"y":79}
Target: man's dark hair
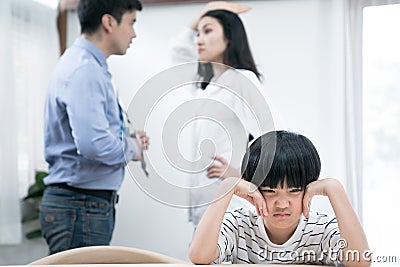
{"x":280,"y":156}
{"x":90,"y":12}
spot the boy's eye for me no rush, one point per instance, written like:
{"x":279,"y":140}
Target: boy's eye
{"x":267,"y":190}
{"x":207,"y":31}
{"x":296,"y":190}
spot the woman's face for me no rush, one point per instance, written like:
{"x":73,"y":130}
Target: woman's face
{"x":211,"y":42}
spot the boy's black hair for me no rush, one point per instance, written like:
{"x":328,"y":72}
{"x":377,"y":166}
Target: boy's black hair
{"x":280,"y":156}
{"x":90,"y":12}
{"x":237,"y":54}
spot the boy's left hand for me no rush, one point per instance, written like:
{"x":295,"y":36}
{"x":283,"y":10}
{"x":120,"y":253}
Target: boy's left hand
{"x":316,"y":188}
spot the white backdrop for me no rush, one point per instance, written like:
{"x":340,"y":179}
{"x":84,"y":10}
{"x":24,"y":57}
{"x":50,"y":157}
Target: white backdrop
{"x":10,"y":229}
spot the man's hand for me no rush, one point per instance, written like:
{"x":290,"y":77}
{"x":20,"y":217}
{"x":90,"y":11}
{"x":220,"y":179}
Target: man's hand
{"x":142,"y":141}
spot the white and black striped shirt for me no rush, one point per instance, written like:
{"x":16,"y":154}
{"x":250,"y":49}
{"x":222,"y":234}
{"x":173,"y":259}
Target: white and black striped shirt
{"x":243,"y":239}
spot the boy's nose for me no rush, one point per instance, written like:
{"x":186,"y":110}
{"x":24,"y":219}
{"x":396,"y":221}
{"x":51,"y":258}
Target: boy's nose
{"x":282,"y":203}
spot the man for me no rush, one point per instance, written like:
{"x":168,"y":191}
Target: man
{"x":85,"y":144}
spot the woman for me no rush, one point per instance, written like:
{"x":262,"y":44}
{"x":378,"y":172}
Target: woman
{"x":228,"y":93}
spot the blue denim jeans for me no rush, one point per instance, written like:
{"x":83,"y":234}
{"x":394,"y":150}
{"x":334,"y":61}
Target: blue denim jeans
{"x":70,"y":219}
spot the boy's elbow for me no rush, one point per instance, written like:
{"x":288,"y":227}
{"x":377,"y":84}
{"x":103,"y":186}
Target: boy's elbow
{"x":198,"y":257}
{"x":357,"y":263}
{"x":198,"y":260}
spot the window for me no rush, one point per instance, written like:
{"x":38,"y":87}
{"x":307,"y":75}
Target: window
{"x":381,"y":122}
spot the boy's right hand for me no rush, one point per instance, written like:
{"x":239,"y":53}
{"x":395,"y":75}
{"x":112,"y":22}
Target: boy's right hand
{"x":250,"y":192}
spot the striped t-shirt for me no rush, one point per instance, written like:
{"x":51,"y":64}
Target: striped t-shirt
{"x":243,"y":239}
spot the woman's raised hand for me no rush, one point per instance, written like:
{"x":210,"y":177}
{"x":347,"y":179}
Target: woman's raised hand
{"x":230,"y":6}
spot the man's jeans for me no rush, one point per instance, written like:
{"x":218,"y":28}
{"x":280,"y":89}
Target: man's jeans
{"x":71,"y":219}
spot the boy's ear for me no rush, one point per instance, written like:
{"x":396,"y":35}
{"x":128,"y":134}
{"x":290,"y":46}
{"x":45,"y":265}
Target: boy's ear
{"x":107,"y":22}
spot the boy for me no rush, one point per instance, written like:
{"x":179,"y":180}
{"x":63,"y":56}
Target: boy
{"x":285,"y":166}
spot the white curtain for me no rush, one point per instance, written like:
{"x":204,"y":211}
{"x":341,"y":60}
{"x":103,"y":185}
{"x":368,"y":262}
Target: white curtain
{"x":10,"y":230}
{"x":29,"y":51}
{"x":353,"y":26}
{"x":353,"y":102}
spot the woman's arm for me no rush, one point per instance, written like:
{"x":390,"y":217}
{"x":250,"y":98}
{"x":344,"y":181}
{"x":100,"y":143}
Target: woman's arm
{"x":183,"y":46}
{"x":349,"y":226}
{"x":221,"y":169}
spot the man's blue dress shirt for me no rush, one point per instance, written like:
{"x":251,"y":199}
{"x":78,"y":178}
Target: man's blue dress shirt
{"x":82,"y":133}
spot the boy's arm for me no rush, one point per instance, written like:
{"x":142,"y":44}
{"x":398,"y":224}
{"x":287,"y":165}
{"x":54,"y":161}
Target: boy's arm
{"x":349,"y":226}
{"x":204,"y":246}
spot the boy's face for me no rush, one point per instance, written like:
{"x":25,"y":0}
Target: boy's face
{"x":285,"y":206}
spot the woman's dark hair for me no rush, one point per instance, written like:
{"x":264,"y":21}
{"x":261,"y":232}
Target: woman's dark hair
{"x":90,"y":12}
{"x":237,"y":54}
{"x":280,"y":156}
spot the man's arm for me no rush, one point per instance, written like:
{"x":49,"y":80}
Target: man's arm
{"x":86,"y":104}
{"x":349,"y":225}
{"x":203,"y":248}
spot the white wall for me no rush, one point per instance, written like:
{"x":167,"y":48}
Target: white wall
{"x":298,"y":46}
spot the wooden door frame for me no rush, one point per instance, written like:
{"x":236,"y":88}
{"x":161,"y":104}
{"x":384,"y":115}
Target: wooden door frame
{"x":62,"y":18}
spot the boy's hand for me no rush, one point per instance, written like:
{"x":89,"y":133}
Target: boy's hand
{"x":251,"y":193}
{"x":222,"y":169}
{"x":317,"y":188}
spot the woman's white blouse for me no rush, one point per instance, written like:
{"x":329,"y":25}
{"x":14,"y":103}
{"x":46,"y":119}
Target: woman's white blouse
{"x":226,"y":112}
